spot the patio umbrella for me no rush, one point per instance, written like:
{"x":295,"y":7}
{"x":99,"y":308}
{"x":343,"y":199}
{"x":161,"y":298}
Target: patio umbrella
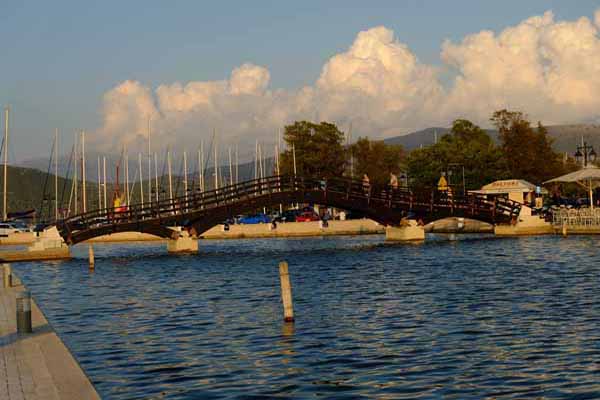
{"x":585,"y":177}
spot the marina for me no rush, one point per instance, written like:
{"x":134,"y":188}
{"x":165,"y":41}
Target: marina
{"x":300,"y":200}
{"x":460,"y":318}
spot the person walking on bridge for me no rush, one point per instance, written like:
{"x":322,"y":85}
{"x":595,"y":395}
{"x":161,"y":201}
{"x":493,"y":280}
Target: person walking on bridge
{"x":366,"y":183}
{"x":393,"y":181}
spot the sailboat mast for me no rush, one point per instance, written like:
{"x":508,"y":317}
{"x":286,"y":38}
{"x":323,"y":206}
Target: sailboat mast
{"x":127,"y":175}
{"x":75,"y":176}
{"x":83,"y":171}
{"x":230,"y":168}
{"x":141,"y":180}
{"x":216,"y":164}
{"x":201,"y":165}
{"x":260,"y":163}
{"x":99,"y":186}
{"x":256,"y":159}
{"x":277,"y":160}
{"x":149,"y":166}
{"x":156,"y":177}
{"x":237,"y":165}
{"x":6,"y":119}
{"x":185,"y":180}
{"x":104,"y":186}
{"x":170,"y":178}
{"x":56,"y":174}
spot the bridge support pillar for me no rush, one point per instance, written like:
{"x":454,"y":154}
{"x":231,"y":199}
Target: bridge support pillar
{"x":183,"y":244}
{"x":409,"y":230}
{"x":49,"y":240}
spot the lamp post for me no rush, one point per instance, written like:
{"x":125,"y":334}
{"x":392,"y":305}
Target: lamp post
{"x":585,"y":153}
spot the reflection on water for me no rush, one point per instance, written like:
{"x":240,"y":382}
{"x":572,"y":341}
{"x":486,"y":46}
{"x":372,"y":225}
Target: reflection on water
{"x":508,"y":318}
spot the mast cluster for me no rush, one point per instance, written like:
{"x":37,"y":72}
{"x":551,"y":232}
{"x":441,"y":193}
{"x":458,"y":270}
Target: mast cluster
{"x":106,"y":193}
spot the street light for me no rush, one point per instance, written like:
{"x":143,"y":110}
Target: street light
{"x":585,"y":154}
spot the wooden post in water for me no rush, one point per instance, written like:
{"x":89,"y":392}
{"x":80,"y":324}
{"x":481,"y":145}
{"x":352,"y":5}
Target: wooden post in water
{"x":91,"y":256}
{"x":286,"y":292}
{"x":7,"y":275}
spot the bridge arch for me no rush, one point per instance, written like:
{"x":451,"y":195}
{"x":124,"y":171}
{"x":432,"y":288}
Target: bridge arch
{"x":198,"y":212}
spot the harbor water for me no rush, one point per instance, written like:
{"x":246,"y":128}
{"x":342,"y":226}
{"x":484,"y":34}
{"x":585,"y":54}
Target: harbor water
{"x":464,"y":319}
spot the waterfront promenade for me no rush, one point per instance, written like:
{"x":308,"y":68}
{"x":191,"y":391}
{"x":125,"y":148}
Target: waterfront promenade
{"x":37,"y":365}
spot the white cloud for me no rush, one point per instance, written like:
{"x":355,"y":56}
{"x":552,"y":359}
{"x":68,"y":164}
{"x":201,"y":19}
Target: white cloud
{"x":127,"y":108}
{"x":549,"y":69}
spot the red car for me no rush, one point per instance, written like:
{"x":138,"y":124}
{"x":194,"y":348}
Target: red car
{"x":307,"y":216}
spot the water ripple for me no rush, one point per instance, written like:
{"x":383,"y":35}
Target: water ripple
{"x":469,"y":319}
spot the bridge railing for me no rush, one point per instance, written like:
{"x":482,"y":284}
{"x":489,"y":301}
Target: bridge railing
{"x":432,"y":201}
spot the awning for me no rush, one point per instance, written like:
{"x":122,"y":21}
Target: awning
{"x":586,"y":177}
{"x":585,"y":174}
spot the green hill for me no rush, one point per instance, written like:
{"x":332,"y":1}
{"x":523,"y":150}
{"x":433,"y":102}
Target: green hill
{"x":33,"y":189}
{"x":30,"y":188}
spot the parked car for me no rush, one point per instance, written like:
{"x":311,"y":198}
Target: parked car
{"x":255,"y":219}
{"x":307,"y":216}
{"x":290,"y":215}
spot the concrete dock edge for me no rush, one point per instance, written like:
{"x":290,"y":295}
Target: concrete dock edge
{"x":37,"y":365}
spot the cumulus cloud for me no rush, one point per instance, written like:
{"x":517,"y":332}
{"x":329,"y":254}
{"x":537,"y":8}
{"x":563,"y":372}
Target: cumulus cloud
{"x":127,"y":108}
{"x":549,"y":69}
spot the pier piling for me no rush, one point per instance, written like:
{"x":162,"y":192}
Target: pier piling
{"x":7,"y":275}
{"x":91,"y":256}
{"x":286,"y":292}
{"x":24,"y":312}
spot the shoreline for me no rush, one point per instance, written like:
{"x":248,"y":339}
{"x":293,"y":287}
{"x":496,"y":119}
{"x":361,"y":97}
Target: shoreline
{"x":37,"y":365}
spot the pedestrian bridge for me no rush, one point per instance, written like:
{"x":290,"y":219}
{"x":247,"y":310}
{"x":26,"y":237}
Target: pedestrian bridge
{"x":199,"y":211}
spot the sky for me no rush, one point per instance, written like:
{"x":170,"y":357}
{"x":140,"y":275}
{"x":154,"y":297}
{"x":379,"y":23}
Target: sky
{"x":245,"y":69}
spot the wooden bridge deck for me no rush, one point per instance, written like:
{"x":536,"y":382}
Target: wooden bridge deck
{"x":199,"y":211}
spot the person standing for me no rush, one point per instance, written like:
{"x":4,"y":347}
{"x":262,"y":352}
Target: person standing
{"x":393,"y":181}
{"x":366,"y":183}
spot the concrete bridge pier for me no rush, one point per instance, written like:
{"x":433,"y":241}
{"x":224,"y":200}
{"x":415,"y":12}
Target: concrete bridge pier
{"x":183,"y":244}
{"x":409,"y":230}
{"x":49,"y":244}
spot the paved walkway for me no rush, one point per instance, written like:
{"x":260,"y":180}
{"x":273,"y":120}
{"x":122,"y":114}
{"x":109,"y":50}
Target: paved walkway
{"x":38,"y":365}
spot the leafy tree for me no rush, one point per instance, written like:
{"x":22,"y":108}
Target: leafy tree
{"x":468,"y":146}
{"x":527,"y":151}
{"x":376,"y":159}
{"x":318,"y":148}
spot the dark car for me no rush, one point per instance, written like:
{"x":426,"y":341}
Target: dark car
{"x":289,"y":215}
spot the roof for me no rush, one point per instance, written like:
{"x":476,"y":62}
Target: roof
{"x":507,"y":186}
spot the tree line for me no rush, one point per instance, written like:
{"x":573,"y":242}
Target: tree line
{"x":524,"y":151}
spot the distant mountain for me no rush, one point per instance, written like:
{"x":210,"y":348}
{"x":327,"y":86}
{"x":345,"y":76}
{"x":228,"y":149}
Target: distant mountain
{"x":566,"y":137}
